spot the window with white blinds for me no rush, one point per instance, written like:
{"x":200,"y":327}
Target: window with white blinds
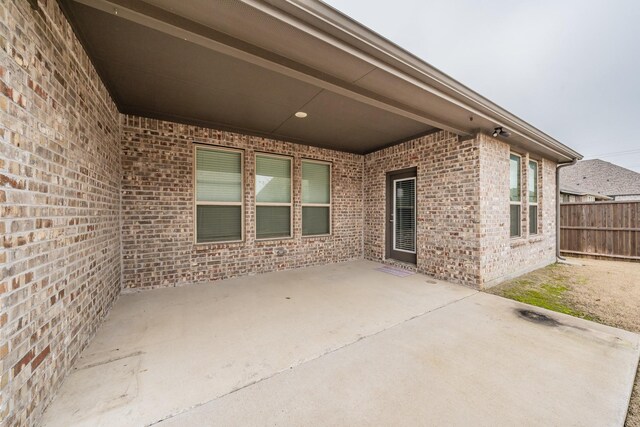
{"x":316,"y":198}
{"x":273,"y":196}
{"x":219,"y":195}
{"x":533,"y":196}
{"x":515,"y":198}
{"x":404,"y":207}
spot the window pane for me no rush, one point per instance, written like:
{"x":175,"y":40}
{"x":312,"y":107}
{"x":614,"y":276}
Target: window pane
{"x":514,"y":219}
{"x":219,"y":223}
{"x":273,"y":179}
{"x":514,"y":178}
{"x":533,"y":182}
{"x":315,"y":183}
{"x":315,"y":220}
{"x":533,"y":219}
{"x":218,"y":176}
{"x":273,"y":221}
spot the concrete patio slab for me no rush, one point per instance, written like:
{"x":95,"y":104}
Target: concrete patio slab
{"x":345,"y":344}
{"x":163,"y":351}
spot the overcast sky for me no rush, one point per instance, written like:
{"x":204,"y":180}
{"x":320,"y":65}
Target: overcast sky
{"x":569,"y":67}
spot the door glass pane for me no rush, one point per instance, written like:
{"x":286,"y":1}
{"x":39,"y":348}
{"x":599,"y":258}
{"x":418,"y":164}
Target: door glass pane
{"x":273,"y":179}
{"x":533,"y":182}
{"x":315,"y":220}
{"x":315,"y":183}
{"x":219,"y":223}
{"x":273,"y":221}
{"x":218,"y":176}
{"x":405,"y":215}
{"x":514,"y":220}
{"x":514,"y":178}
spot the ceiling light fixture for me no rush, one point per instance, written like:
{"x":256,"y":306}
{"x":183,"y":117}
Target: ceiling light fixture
{"x":301,"y":114}
{"x":499,"y":131}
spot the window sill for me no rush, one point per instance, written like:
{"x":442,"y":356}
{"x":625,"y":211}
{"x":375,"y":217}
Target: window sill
{"x":518,"y":241}
{"x":216,"y":244}
{"x":317,"y":236}
{"x":536,"y":238}
{"x":273,"y":240}
{"x":521,"y":241}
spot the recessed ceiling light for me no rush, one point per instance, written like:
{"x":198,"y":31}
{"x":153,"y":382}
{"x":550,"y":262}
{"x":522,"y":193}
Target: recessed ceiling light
{"x":301,"y":114}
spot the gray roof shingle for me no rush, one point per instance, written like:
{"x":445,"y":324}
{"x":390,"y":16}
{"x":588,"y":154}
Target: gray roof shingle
{"x":598,"y":176}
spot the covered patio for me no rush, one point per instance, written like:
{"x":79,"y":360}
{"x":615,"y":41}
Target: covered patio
{"x":344,"y":344}
{"x":197,"y":201}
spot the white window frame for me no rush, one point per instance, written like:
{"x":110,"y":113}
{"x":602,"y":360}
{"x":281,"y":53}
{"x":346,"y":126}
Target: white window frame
{"x":415,"y":214}
{"x":255,"y":195}
{"x":318,"y":205}
{"x":519,"y":203}
{"x":536,"y":204}
{"x":196,"y":203}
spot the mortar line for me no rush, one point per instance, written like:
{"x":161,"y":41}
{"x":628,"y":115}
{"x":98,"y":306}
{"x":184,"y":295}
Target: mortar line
{"x":259,"y":380}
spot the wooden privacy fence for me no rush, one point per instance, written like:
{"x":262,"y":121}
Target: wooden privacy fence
{"x":608,"y":229}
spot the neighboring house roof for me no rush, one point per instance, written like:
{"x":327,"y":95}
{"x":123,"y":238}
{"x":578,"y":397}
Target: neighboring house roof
{"x":249,"y":65}
{"x":567,"y":189}
{"x":599,"y":177}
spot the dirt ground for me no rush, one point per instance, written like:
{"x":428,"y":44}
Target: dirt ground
{"x":604,"y":291}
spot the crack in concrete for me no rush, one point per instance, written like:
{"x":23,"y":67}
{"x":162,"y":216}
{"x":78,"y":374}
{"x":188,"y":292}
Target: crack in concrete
{"x":114,"y":359}
{"x":328,"y":352}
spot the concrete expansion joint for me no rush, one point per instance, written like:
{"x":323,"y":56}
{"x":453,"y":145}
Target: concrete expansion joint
{"x":303,"y":362}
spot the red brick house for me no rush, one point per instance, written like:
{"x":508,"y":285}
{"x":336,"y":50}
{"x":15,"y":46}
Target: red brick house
{"x":158,"y":144}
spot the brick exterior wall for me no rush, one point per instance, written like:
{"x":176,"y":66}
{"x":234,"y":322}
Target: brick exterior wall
{"x":93,"y":201}
{"x":60,"y":201}
{"x":503,"y":257}
{"x":158,"y":199}
{"x":447,"y":204}
{"x":463,"y":209}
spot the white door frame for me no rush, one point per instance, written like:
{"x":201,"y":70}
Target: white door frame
{"x":415,"y":215}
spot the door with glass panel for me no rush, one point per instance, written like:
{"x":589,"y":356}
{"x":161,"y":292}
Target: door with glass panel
{"x":401,"y":216}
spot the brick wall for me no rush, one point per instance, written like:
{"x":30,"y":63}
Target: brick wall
{"x":503,"y":257}
{"x":157,"y":208}
{"x":463,"y":209}
{"x":447,"y":203}
{"x":59,"y":202}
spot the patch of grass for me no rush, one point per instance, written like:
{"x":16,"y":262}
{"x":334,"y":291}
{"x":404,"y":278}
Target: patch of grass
{"x":546,"y":296}
{"x":544,"y":288}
